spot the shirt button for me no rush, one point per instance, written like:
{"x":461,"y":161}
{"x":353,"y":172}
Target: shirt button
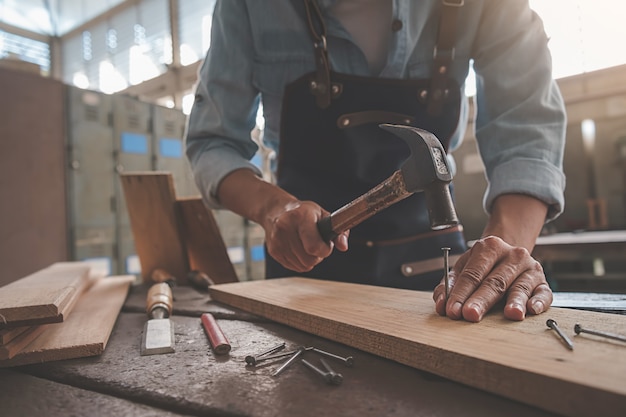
{"x":396,"y":25}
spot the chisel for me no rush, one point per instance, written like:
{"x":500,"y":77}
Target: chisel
{"x":158,"y":333}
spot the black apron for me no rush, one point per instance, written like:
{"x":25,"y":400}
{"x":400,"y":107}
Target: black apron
{"x":332,"y":151}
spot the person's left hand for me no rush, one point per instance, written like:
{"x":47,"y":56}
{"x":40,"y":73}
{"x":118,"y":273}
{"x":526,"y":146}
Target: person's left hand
{"x":490,"y":271}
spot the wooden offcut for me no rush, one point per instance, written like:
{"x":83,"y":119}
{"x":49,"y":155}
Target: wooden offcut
{"x":151,"y":203}
{"x":86,"y":331}
{"x":205,"y":246}
{"x":46,"y":296}
{"x":524,"y":361}
{"x":15,"y":345}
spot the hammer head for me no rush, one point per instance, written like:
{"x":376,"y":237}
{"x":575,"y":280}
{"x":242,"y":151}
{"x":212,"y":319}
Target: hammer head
{"x":426,"y":169}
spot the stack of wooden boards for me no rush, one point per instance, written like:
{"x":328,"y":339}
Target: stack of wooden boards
{"x":60,"y":312}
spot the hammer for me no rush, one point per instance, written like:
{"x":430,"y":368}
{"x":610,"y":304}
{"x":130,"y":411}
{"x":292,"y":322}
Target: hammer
{"x":426,"y":169}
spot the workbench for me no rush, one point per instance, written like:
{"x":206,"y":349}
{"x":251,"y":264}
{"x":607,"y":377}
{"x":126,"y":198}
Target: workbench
{"x":194,"y":381}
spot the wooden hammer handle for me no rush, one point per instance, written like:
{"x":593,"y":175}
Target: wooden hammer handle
{"x":388,"y":192}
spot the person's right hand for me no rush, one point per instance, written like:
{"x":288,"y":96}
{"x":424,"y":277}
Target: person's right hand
{"x":293,"y":240}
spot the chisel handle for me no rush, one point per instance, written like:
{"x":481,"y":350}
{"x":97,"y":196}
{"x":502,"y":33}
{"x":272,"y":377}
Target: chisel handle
{"x":388,"y":192}
{"x":159,"y":301}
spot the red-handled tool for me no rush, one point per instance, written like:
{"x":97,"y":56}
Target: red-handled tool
{"x":218,"y":340}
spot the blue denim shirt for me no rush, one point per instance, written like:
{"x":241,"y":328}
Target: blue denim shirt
{"x":259,"y":46}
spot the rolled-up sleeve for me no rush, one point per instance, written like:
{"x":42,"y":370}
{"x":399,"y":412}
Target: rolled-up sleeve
{"x":218,"y":133}
{"x":521,"y":119}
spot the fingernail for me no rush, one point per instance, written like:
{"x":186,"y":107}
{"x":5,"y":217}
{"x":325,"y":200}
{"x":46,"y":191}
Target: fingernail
{"x":476,"y":308}
{"x":456,"y":309}
{"x":515,"y":306}
{"x":537,"y":307}
{"x":439,"y":299}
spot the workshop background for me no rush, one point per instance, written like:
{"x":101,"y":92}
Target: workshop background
{"x":89,"y":90}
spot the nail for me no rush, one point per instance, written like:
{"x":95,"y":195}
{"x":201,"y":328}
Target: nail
{"x":554,"y":326}
{"x":578,"y":329}
{"x":349,"y":361}
{"x":276,"y":356}
{"x":446,"y":272}
{"x":289,"y":362}
{"x":335,"y":377}
{"x":252,"y":360}
{"x":330,"y":377}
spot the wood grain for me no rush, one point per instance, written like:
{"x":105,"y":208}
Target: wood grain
{"x":86,"y":332}
{"x":46,"y":296}
{"x":205,"y":246}
{"x":524,"y":361}
{"x":151,"y":204}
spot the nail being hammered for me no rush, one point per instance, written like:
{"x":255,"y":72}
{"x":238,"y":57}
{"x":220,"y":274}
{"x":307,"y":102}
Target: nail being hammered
{"x":446,"y":272}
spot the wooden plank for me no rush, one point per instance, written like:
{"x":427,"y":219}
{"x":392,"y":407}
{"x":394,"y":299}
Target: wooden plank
{"x":6,"y":335}
{"x":34,"y":233}
{"x":524,"y":361}
{"x":46,"y":296}
{"x":10,"y":349}
{"x":86,"y":331}
{"x":151,"y":204}
{"x":204,"y":242}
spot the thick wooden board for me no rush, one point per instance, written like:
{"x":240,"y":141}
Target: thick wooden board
{"x":46,"y":296}
{"x":85,"y":332}
{"x":524,"y":361}
{"x":151,"y":204}
{"x":204,"y":242}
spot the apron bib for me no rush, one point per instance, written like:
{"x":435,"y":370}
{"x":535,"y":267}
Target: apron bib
{"x":335,"y":152}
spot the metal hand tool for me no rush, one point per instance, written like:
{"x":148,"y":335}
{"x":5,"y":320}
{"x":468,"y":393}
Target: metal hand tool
{"x":426,"y":169}
{"x":158,"y":332}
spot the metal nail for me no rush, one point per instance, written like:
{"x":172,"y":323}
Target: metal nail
{"x":289,"y":362}
{"x":335,"y":377}
{"x":252,"y":360}
{"x":276,"y":356}
{"x":579,"y":329}
{"x":349,"y":361}
{"x":554,"y":326}
{"x":446,"y":272}
{"x":330,"y":378}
